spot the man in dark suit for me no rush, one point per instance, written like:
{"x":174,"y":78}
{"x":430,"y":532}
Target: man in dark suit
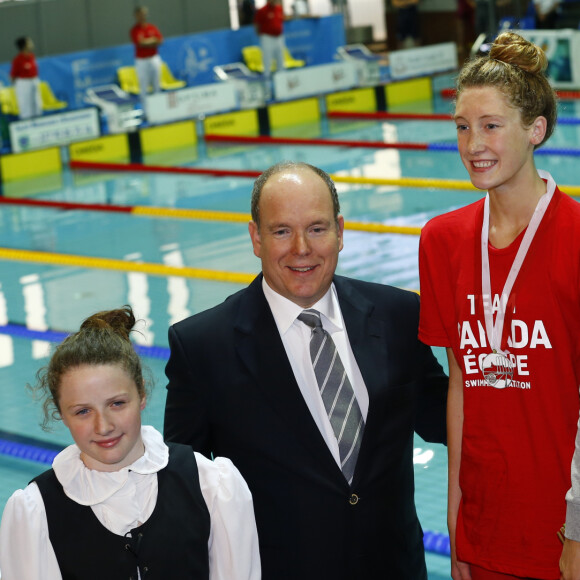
{"x":242,"y":385}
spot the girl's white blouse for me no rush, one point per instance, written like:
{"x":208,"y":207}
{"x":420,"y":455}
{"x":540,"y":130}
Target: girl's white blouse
{"x":123,"y":500}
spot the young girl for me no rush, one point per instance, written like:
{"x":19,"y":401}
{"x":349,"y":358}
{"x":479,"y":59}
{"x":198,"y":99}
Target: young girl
{"x":24,"y":73}
{"x":120,"y":503}
{"x":500,"y":288}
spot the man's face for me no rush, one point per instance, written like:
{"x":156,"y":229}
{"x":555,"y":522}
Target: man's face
{"x":141,"y":15}
{"x":298,"y":239}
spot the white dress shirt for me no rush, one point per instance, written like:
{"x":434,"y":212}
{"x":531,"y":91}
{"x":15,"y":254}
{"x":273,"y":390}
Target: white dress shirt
{"x":125,"y":499}
{"x":296,"y":340}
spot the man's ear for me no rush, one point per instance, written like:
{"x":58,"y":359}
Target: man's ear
{"x":340,"y":225}
{"x":255,"y":236}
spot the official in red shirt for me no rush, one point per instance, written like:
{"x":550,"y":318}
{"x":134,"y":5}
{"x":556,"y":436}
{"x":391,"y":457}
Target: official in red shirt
{"x":24,"y":75}
{"x":146,"y":38}
{"x":269,"y":22}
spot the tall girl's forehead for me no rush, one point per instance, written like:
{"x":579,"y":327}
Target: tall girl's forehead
{"x":485,"y":98}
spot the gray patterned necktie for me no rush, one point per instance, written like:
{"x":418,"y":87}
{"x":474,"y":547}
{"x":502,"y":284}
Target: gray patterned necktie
{"x":336,"y":391}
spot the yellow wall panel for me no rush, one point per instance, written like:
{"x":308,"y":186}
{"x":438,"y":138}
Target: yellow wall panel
{"x":410,"y":91}
{"x":30,"y":164}
{"x":294,"y":113}
{"x":111,"y":148}
{"x":356,"y":101}
{"x":239,"y":123}
{"x":164,"y":137}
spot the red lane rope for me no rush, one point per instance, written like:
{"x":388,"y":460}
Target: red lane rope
{"x":297,"y":141}
{"x":100,"y":166}
{"x":564,"y":95}
{"x":386,"y":115}
{"x":568,"y":95}
{"x":65,"y":204}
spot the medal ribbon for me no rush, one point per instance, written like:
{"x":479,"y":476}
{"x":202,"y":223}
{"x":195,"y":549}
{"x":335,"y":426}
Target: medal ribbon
{"x":493,"y":330}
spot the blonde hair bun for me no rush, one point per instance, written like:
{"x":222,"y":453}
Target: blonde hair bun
{"x":511,"y":48}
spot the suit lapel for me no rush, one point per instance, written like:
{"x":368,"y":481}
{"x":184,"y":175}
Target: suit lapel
{"x":367,"y":335}
{"x":368,"y":339}
{"x":260,"y":348}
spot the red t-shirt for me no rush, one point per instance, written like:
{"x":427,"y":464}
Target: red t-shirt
{"x":140,"y":32}
{"x":518,"y":441}
{"x":24,"y":66}
{"x":270,"y":20}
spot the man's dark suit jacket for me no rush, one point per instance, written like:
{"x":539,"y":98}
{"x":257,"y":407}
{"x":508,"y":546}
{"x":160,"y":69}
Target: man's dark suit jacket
{"x":232,"y":393}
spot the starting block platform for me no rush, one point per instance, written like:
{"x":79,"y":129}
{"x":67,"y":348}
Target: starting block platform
{"x":368,"y":68}
{"x":121,"y":110}
{"x":250,"y":87}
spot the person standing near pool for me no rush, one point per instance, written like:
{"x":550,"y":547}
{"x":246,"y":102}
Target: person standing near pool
{"x":500,"y":289}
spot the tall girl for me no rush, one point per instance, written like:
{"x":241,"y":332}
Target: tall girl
{"x":500,"y":288}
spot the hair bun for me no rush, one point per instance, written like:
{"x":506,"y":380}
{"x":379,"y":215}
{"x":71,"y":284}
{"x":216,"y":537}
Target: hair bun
{"x":511,"y":48}
{"x":120,"y":321}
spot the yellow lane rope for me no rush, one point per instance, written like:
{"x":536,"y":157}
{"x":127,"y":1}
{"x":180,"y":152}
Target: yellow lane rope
{"x":195,"y":214}
{"x":191,"y":214}
{"x":222,"y":276}
{"x":407,"y":182}
{"x":125,"y":266}
{"x":573,"y":190}
{"x":375,"y":228}
{"x":399,"y":181}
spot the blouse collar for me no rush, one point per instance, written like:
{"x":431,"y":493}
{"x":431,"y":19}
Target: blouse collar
{"x":89,"y":487}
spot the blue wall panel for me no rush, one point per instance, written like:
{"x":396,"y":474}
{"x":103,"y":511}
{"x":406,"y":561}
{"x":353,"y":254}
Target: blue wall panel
{"x":190,"y":57}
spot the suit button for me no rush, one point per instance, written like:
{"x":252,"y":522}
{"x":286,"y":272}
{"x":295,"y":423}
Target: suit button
{"x":353,"y":499}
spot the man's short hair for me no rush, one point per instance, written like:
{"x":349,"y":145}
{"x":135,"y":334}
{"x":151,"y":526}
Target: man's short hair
{"x":281,"y":167}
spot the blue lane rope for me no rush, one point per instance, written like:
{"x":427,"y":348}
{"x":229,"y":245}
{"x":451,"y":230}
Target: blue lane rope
{"x":18,"y":331}
{"x":557,"y":151}
{"x":28,"y":452}
{"x":441,"y":147}
{"x":23,"y":332}
{"x":542,"y":151}
{"x":437,"y":543}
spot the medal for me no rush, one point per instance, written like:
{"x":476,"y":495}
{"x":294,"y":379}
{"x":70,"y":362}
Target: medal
{"x":498,"y":370}
{"x":497,"y":367}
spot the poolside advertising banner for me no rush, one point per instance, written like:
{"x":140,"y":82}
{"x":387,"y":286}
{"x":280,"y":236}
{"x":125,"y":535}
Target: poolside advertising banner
{"x":191,"y":102}
{"x":424,"y":60}
{"x":56,"y":129}
{"x":315,"y":80}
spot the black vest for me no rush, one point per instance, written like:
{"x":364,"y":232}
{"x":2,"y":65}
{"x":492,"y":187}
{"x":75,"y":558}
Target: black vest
{"x":171,"y":544}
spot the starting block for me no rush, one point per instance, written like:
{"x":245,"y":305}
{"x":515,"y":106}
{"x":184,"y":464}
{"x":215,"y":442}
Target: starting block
{"x":368,"y":69}
{"x":117,"y":107}
{"x":249,"y":86}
